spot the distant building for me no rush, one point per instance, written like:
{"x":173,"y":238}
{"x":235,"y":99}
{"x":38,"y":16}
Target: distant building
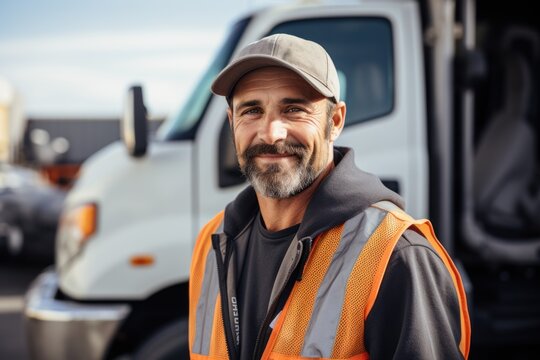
{"x":11,"y":121}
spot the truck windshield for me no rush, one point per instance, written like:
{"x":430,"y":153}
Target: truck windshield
{"x":183,"y":125}
{"x":361,"y":48}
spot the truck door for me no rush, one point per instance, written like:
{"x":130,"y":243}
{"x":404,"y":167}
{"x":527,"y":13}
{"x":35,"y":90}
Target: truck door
{"x":382,"y":81}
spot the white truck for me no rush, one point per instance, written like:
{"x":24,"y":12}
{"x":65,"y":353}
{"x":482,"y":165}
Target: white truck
{"x":441,"y":105}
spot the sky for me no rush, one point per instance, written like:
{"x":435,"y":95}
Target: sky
{"x":72,"y":59}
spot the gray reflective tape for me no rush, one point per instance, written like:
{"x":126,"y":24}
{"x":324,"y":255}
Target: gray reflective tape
{"x":388,"y":206}
{"x":206,"y":305}
{"x":321,"y":332}
{"x":290,"y":261}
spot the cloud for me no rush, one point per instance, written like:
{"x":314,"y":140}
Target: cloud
{"x":88,"y":74}
{"x":111,"y":42}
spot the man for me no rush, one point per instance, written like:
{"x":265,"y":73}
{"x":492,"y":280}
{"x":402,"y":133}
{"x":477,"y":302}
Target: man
{"x":315,"y":259}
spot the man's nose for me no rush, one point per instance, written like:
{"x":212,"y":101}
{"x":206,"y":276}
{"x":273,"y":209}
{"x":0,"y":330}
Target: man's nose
{"x":273,"y":129}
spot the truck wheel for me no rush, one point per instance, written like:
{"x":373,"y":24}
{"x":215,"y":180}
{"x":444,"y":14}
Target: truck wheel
{"x":169,"y":342}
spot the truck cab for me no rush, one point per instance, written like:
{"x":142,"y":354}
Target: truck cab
{"x":411,"y":74}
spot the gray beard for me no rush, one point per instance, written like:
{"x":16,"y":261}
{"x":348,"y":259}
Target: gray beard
{"x":277,"y":183}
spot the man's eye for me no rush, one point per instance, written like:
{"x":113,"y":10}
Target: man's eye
{"x":252,"y":111}
{"x":293,"y":109}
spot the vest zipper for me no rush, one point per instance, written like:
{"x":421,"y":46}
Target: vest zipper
{"x":222,"y":265}
{"x":303,"y":250}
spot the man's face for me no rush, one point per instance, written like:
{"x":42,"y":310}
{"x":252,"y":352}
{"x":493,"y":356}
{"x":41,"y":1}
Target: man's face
{"x":281,"y":131}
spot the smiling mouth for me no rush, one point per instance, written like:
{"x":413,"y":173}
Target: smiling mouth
{"x":275,"y":155}
{"x":274,"y":152}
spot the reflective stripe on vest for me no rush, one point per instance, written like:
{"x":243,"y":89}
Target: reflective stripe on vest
{"x":325,"y":312}
{"x":206,"y":306}
{"x":206,"y":334}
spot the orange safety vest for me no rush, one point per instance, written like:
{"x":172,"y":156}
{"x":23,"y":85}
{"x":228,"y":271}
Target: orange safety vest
{"x":296,"y":334}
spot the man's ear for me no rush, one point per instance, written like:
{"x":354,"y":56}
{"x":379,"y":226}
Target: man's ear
{"x":338,"y":120}
{"x":230,"y":116}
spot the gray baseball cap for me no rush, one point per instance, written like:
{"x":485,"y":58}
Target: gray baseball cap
{"x":306,"y":58}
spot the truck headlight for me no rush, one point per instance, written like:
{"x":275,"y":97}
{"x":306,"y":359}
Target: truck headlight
{"x":77,"y":225}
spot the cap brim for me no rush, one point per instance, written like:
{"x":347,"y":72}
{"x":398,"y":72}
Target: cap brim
{"x":229,"y":77}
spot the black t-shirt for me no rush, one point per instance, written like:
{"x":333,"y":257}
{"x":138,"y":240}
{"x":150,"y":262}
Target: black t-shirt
{"x":264,"y":255}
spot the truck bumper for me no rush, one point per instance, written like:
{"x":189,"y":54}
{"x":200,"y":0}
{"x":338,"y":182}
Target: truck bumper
{"x":60,"y":329}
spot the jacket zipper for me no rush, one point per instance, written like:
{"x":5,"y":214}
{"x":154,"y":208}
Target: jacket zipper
{"x":222,"y":265}
{"x":299,"y":260}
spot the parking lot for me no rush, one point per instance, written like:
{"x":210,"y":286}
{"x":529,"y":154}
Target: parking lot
{"x":14,"y":280}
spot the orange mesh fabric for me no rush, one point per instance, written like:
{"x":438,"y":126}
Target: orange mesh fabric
{"x":304,"y":293}
{"x":198,"y":263}
{"x":218,"y":344}
{"x":350,"y":332}
{"x":361,"y":292}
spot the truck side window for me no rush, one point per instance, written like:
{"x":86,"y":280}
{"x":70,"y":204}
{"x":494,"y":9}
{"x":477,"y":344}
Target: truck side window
{"x":229,"y":173}
{"x":361,"y":48}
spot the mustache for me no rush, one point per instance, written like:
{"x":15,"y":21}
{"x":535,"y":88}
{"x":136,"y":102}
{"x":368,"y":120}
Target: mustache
{"x":279,"y":148}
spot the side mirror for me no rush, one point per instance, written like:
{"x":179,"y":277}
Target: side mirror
{"x":134,"y":125}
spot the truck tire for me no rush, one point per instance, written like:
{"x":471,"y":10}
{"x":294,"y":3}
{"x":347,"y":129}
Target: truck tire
{"x":169,"y":342}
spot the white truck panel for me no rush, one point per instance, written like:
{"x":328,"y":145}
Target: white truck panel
{"x":127,"y":223}
{"x":97,"y":275}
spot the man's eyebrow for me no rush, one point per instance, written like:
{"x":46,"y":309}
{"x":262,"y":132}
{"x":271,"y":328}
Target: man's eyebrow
{"x":284,"y":101}
{"x":247,"y":104}
{"x":289,"y":101}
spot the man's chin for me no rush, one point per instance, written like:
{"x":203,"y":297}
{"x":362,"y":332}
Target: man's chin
{"x":272,"y":169}
{"x":279,"y":185}
{"x":288,"y":163}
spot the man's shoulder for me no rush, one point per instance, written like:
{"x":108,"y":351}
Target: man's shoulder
{"x":213,"y":225}
{"x":412,"y":238}
{"x":414,"y":250}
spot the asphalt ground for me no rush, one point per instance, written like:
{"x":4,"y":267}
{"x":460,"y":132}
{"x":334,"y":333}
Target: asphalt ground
{"x":15,"y":277}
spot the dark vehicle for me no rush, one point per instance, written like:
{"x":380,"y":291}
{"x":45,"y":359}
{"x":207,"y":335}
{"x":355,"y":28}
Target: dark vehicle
{"x":29,"y":212}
